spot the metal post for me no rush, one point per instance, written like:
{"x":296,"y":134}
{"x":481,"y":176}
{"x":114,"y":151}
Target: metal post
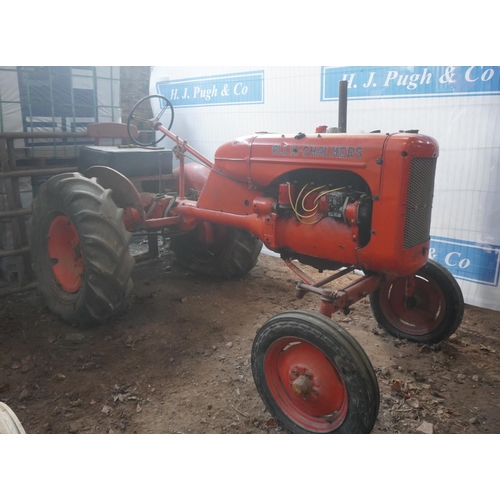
{"x":343,"y":106}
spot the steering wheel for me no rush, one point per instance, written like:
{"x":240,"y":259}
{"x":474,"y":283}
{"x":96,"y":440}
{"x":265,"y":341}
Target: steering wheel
{"x":141,"y":117}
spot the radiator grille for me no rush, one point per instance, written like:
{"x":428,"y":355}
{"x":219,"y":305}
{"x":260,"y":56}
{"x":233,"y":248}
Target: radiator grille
{"x":419,"y":201}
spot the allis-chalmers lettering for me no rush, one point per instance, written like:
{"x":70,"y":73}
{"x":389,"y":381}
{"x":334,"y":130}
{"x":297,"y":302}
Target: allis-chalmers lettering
{"x":317,"y":151}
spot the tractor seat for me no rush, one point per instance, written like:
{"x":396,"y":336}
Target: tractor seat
{"x":129,"y":160}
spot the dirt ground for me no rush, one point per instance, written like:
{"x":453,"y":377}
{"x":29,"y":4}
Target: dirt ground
{"x":178,"y":361}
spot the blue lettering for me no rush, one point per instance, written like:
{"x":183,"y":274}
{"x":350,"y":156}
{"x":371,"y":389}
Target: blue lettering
{"x":387,"y":82}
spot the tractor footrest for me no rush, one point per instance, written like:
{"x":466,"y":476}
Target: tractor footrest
{"x":131,"y":162}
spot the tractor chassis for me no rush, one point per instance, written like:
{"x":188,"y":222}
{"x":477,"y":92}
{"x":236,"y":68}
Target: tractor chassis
{"x":311,"y":374}
{"x":190,"y":214}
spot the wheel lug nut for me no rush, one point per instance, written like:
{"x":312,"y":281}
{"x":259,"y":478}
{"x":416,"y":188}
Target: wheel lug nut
{"x":295,"y":372}
{"x":308,"y":375}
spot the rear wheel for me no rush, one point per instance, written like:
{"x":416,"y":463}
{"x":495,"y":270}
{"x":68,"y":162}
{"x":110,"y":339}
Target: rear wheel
{"x":230,"y":253}
{"x":313,"y":376}
{"x":433,"y":313}
{"x":80,"y":251}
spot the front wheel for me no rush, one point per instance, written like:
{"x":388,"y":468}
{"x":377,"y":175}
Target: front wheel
{"x":79,"y":246}
{"x":313,"y":376}
{"x":433,"y":313}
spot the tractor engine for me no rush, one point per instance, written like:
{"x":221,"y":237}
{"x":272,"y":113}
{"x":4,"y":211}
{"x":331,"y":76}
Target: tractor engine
{"x":328,"y":199}
{"x":342,"y":204}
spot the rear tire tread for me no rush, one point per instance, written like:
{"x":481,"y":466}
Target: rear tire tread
{"x":104,"y":242}
{"x":236,"y":260}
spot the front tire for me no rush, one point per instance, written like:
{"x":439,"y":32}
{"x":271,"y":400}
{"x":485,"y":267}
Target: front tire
{"x":232,"y":254}
{"x":436,"y":310}
{"x":313,"y":376}
{"x":80,"y":251}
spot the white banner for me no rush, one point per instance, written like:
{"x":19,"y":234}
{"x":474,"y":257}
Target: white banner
{"x":457,"y":105}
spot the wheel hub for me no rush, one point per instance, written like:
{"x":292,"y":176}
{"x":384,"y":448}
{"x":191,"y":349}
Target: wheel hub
{"x":63,"y":249}
{"x":419,"y":314}
{"x":306,"y":385}
{"x":302,"y":386}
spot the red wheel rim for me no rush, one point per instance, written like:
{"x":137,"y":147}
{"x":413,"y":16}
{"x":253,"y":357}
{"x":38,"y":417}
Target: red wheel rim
{"x":424,"y":314}
{"x":63,"y":248}
{"x":320,"y":404}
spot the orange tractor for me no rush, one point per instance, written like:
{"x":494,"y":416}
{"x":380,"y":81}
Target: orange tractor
{"x":333,"y":201}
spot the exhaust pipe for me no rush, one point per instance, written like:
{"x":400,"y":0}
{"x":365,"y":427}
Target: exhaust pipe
{"x":343,"y":106}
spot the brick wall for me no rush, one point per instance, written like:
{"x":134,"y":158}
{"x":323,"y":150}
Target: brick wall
{"x":134,"y":85}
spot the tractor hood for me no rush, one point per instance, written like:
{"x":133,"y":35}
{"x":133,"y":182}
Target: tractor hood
{"x":262,"y":158}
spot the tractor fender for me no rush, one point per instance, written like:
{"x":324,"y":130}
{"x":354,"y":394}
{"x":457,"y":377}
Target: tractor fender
{"x":195,"y":176}
{"x":125,"y":194}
